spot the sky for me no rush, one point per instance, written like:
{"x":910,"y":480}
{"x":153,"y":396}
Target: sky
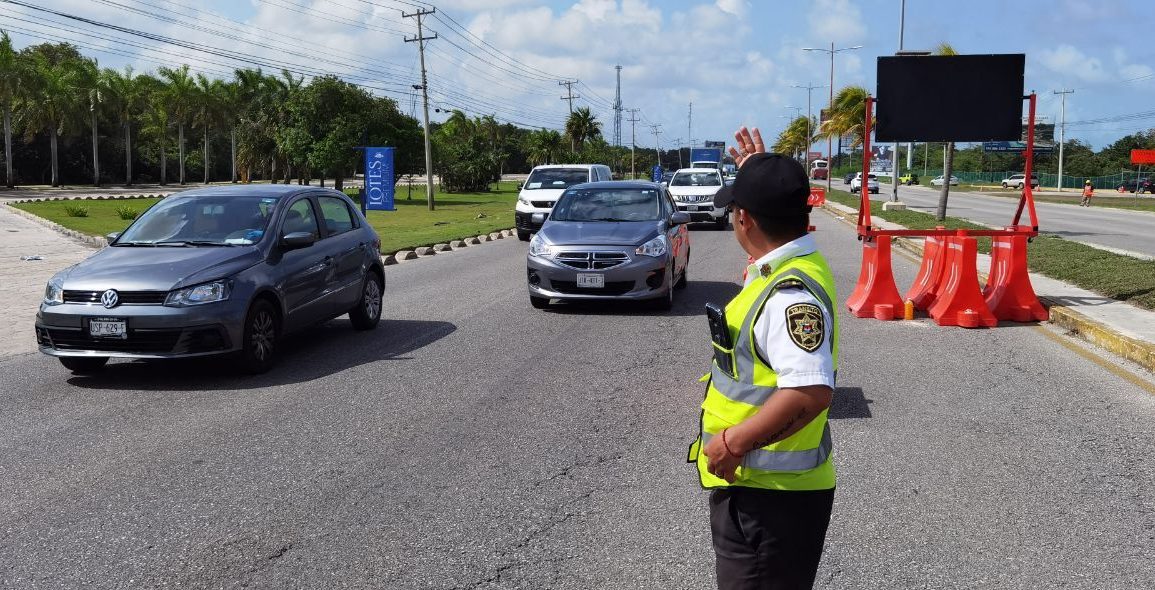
{"x":736,"y":61}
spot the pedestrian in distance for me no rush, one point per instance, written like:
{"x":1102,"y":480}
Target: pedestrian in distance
{"x":1088,"y":192}
{"x":764,"y":445}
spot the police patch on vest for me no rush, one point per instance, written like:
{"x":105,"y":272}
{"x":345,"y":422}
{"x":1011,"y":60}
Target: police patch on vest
{"x":804,"y":323}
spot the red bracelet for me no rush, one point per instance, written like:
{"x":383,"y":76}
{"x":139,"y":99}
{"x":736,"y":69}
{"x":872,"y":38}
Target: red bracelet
{"x":727,"y":446}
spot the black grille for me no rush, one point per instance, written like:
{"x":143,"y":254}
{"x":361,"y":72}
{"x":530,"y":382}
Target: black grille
{"x":123,"y":297}
{"x":139,"y":341}
{"x":592,"y":260}
{"x":612,"y":288}
{"x":543,"y":204}
{"x":524,"y":221}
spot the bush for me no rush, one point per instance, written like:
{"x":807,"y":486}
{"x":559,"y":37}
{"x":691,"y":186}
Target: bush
{"x":76,"y":211}
{"x":127,"y":213}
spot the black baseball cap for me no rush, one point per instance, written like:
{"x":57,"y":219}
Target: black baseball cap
{"x":768,"y":184}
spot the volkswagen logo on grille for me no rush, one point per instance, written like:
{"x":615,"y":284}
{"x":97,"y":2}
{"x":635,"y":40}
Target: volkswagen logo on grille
{"x":109,"y":299}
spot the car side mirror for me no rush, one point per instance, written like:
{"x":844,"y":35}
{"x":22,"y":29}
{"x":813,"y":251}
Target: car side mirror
{"x":297,"y":240}
{"x":680,"y":218}
{"x":112,"y":236}
{"x":665,"y":184}
{"x":521,"y":186}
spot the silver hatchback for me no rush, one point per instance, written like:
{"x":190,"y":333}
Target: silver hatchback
{"x":610,"y":240}
{"x":216,"y":271}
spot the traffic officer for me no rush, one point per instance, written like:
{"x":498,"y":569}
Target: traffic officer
{"x":764,"y":446}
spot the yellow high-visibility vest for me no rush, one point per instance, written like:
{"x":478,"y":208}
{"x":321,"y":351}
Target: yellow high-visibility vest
{"x":801,"y":461}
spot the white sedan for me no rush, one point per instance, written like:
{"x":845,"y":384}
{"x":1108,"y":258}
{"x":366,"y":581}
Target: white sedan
{"x":938,"y":181}
{"x":871,"y":183}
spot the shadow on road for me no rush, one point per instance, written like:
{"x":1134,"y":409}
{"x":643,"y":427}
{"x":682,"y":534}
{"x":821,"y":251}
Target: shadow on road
{"x":687,"y":302}
{"x":849,"y":402}
{"x":308,"y":355}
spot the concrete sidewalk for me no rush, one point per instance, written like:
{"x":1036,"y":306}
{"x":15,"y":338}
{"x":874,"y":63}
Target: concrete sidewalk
{"x":22,"y":281}
{"x":1124,"y":329}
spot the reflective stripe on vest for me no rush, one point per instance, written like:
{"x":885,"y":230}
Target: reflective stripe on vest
{"x":786,"y":460}
{"x":749,"y":393}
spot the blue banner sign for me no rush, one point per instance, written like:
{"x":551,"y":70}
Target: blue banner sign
{"x":379,"y":185}
{"x":656,"y":174}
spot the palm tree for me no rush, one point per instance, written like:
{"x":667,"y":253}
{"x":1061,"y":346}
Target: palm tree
{"x":180,"y":92}
{"x":229,"y":105}
{"x":848,"y":116}
{"x":95,"y":90}
{"x":948,"y":166}
{"x":12,"y":76}
{"x":206,"y":111}
{"x":51,"y":103}
{"x":157,"y":118}
{"x":542,"y":145}
{"x":127,"y":95}
{"x":581,"y":125}
{"x":795,"y":139}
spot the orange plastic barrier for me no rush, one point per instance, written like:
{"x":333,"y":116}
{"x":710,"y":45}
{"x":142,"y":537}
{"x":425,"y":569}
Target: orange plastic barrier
{"x":960,"y":302}
{"x":929,"y":273}
{"x":1009,"y":294}
{"x":817,"y":196}
{"x":875,"y":282}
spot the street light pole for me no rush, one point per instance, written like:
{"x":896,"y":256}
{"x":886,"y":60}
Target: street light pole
{"x":1062,"y":132}
{"x":809,"y":118}
{"x":830,"y":109}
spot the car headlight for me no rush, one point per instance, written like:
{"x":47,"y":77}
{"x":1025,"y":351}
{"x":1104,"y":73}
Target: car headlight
{"x":200,"y":294}
{"x":53,"y":293}
{"x":655,"y":247}
{"x":522,"y":200}
{"x":539,"y":247}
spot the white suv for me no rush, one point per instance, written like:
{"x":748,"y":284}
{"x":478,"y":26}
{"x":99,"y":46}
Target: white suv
{"x":871,"y":183}
{"x":543,"y":187}
{"x":693,"y":192}
{"x":1018,"y":180}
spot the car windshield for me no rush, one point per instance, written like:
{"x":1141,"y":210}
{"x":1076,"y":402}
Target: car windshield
{"x":696,"y":179}
{"x":556,"y":178}
{"x":599,"y":204}
{"x":820,"y":164}
{"x":207,"y":220}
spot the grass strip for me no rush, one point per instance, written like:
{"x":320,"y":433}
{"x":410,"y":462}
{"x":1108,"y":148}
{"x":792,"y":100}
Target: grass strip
{"x":412,"y":225}
{"x":1119,"y":277}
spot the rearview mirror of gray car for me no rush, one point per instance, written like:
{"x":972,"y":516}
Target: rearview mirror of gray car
{"x":680,"y":218}
{"x":298,"y":239}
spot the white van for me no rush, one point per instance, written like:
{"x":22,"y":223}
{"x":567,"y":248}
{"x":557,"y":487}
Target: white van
{"x":543,"y":187}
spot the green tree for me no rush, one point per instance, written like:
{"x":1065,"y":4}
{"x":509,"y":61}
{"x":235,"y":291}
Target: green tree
{"x":543,"y":146}
{"x":848,"y":116}
{"x":94,"y":88}
{"x":580,"y":126}
{"x":948,"y":166}
{"x":12,"y":77}
{"x":794,"y":140}
{"x":53,"y":101}
{"x":207,"y":111}
{"x":180,"y":95}
{"x":127,"y":95}
{"x":157,"y":119}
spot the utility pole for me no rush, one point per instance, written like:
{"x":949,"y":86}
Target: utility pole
{"x":569,"y":95}
{"x":809,"y":119}
{"x":829,"y":110}
{"x":678,"y":146}
{"x":689,"y":128}
{"x":1062,"y":132}
{"x":420,"y":39}
{"x":633,"y":141}
{"x":657,"y":129}
{"x":618,"y":109}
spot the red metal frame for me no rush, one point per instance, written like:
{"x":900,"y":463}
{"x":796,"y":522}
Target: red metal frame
{"x":1026,"y":201}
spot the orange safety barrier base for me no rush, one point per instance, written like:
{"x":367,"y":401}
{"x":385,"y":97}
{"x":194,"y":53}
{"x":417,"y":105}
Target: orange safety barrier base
{"x":875,"y":295}
{"x":1009,"y":293}
{"x":921,"y":293}
{"x":960,"y":302}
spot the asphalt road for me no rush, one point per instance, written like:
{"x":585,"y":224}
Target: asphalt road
{"x":1130,"y":231}
{"x":473,"y":442}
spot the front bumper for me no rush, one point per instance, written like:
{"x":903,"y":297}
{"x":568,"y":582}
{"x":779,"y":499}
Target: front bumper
{"x":701,"y":211}
{"x":529,"y":221}
{"x":153,"y":331}
{"x":641,"y":277}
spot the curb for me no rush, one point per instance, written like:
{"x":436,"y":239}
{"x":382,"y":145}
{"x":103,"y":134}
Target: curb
{"x":1076,"y":324}
{"x":404,"y":256}
{"x":86,"y":198}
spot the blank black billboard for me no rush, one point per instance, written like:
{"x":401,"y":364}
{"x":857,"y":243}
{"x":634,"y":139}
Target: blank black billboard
{"x":950,"y":98}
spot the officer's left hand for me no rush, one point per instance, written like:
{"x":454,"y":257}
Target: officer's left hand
{"x":720,"y":462}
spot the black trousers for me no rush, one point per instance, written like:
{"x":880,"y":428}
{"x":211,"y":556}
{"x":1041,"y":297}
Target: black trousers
{"x":768,"y":539}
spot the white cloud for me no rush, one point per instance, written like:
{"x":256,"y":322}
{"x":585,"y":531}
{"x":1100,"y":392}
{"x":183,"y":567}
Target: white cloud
{"x":836,"y":20}
{"x":734,"y":7}
{"x":1072,"y":63}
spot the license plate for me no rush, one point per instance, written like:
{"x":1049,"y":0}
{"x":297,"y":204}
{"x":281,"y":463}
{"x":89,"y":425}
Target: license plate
{"x":591,"y":281}
{"x":692,"y":208}
{"x":107,"y":329}
{"x":538,"y":217}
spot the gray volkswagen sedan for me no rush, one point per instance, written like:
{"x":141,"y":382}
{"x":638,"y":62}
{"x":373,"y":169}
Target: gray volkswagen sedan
{"x":212,"y":271}
{"x":610,"y":240}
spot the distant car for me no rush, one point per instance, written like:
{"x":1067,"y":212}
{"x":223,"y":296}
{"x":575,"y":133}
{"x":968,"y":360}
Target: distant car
{"x":610,"y":240}
{"x":214,"y":271}
{"x":938,"y":181}
{"x":849,"y":177}
{"x":693,"y":192}
{"x":1019,"y":180}
{"x":871,"y":183}
{"x":908,"y":179}
{"x":1138,"y":185}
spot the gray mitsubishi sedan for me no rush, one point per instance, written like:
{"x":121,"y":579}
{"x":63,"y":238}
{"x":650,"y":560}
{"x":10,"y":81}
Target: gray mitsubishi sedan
{"x":610,"y":240}
{"x":220,"y":270}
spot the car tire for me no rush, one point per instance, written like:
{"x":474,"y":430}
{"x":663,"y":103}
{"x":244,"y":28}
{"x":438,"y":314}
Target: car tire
{"x":523,"y":235}
{"x":84,"y":365}
{"x":262,"y":332}
{"x":1005,"y":186}
{"x":538,"y":302}
{"x":367,"y":313}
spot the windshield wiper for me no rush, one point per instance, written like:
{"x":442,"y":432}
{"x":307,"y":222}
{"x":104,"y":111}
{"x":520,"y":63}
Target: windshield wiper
{"x":609,"y":219}
{"x":193,"y":243}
